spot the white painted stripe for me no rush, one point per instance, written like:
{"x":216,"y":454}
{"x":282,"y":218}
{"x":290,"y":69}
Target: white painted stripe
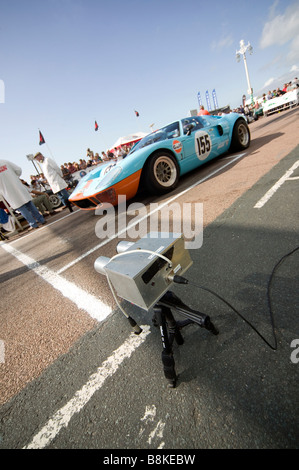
{"x":97,"y":247}
{"x":83,"y":300}
{"x":157,"y":433}
{"x":109,"y":367}
{"x":276,"y":186}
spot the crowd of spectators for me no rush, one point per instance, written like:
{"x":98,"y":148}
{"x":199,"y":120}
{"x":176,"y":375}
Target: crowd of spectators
{"x":253,"y":108}
{"x":92,"y":159}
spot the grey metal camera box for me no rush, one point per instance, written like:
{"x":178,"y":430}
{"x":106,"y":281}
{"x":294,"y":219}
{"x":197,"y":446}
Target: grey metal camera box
{"x":142,"y":278}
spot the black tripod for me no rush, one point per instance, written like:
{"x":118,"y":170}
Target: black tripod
{"x":170,"y":329}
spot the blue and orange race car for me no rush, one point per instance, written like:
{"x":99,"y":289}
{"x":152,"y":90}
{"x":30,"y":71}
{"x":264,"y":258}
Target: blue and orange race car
{"x":158,"y":160}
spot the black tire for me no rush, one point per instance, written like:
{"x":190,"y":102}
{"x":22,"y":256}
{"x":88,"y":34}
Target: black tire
{"x":55,"y":201}
{"x":161,"y":173}
{"x":241,"y":136}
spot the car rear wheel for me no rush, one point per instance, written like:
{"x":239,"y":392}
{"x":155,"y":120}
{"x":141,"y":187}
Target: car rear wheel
{"x":55,"y":201}
{"x":162,"y":173}
{"x":241,"y":136}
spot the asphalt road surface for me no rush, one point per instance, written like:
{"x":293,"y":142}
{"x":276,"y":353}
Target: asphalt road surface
{"x":73,"y":375}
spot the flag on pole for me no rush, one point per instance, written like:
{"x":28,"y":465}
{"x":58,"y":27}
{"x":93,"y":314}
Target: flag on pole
{"x":41,"y":139}
{"x":199,"y":99}
{"x":208,"y":100}
{"x":215,"y":99}
{"x":137,"y":114}
{"x":96,"y":127}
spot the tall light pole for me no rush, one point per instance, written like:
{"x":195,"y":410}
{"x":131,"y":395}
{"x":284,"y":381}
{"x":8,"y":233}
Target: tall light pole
{"x":242,"y":51}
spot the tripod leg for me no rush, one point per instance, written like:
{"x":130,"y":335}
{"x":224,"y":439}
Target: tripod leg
{"x":173,"y":328}
{"x":169,"y":368}
{"x":167,"y":354}
{"x":170,"y":300}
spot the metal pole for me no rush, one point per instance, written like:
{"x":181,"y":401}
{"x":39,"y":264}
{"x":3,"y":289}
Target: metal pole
{"x":242,"y":51}
{"x":247,"y":74}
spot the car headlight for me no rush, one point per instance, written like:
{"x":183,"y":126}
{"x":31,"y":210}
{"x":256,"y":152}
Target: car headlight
{"x":109,"y":177}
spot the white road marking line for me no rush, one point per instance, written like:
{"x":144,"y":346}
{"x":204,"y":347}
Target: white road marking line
{"x":150,"y":414}
{"x":2,"y":352}
{"x":97,"y":247}
{"x":83,"y":300}
{"x":109,"y":367}
{"x":157,"y":433}
{"x":149,"y":417}
{"x":276,"y":186}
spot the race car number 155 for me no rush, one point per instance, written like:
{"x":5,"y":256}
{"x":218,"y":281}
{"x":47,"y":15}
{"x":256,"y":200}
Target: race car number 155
{"x":202,"y":144}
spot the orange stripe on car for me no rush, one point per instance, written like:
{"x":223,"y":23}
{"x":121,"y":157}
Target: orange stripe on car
{"x":127,"y":187}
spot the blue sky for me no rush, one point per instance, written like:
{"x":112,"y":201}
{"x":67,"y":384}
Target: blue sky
{"x":66,"y":63}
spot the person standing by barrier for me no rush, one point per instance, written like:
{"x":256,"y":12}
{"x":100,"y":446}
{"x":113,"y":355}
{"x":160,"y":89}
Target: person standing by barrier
{"x":54,"y":176}
{"x":203,"y":111}
{"x":17,"y":195}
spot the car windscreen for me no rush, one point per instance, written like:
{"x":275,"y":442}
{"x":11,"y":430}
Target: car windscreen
{"x":167,"y":132}
{"x":195,"y":121}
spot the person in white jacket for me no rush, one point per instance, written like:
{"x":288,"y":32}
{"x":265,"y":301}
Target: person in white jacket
{"x":55,"y":179}
{"x":16,"y":193}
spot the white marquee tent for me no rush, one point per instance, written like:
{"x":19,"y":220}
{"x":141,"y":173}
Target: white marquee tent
{"x":128,"y":139}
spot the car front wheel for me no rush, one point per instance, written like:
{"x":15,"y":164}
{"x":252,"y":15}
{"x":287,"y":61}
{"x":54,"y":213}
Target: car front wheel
{"x":162,"y":173}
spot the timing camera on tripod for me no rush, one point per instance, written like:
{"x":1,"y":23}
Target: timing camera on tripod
{"x":142,"y":273}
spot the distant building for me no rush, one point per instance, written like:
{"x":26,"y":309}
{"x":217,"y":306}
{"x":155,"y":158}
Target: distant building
{"x":224,"y":109}
{"x":193,"y":112}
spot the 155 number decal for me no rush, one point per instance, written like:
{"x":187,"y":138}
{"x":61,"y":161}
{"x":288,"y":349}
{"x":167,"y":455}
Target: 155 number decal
{"x":203,"y":145}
